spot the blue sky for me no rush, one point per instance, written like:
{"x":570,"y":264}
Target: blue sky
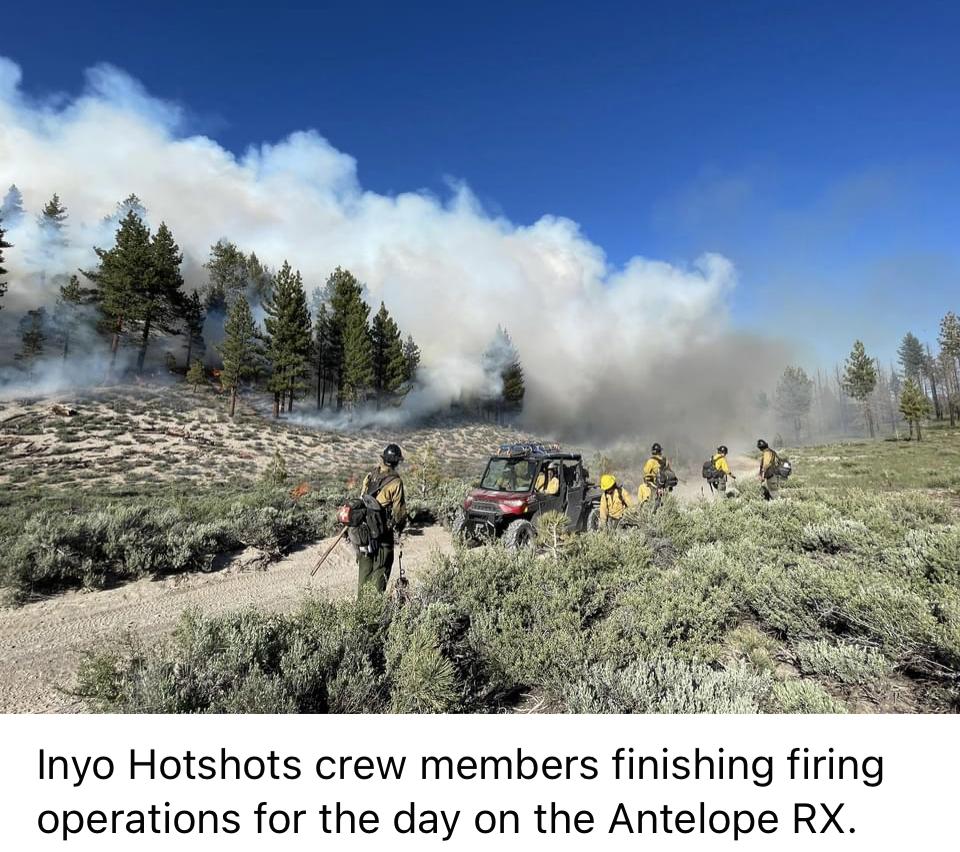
{"x":814,"y":144}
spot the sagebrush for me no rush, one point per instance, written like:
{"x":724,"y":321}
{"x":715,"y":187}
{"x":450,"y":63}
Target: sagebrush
{"x":809,"y":604}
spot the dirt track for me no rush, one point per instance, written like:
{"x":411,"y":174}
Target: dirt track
{"x":43,"y":642}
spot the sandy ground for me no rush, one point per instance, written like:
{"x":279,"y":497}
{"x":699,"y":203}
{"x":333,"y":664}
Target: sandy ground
{"x":149,"y":435}
{"x":43,"y":642}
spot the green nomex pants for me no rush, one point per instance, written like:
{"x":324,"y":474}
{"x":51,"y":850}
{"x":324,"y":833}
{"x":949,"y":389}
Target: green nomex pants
{"x":376,"y":568}
{"x":770,"y":487}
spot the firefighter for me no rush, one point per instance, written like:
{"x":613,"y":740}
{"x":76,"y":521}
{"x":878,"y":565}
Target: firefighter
{"x":720,"y":464}
{"x":769,"y":477}
{"x":614,"y":501}
{"x":386,"y":487}
{"x":507,"y":480}
{"x":652,"y":469}
{"x":548,"y":480}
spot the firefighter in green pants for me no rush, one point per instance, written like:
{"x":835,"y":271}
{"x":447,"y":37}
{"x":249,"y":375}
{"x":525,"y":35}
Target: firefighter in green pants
{"x":769,"y":471}
{"x":386,"y":487}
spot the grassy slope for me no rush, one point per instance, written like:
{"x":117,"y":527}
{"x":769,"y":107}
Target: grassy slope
{"x":835,"y":598}
{"x":888,"y":465}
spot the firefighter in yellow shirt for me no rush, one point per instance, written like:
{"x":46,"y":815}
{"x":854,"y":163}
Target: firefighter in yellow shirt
{"x":719,"y":482}
{"x":651,"y":470}
{"x":548,"y":480}
{"x":614,"y":501}
{"x":769,"y":475}
{"x":386,"y":487}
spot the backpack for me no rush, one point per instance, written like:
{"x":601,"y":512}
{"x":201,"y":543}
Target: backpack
{"x":364,"y":517}
{"x":666,"y":478}
{"x":780,"y":467}
{"x":353,"y":513}
{"x":710,"y":471}
{"x":376,"y":516}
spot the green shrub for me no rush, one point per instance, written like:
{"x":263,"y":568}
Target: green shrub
{"x":758,"y":649}
{"x":438,"y":502}
{"x":275,"y":473}
{"x":804,"y":696}
{"x":834,"y":536}
{"x":933,"y":554}
{"x":93,"y":545}
{"x":668,"y":685}
{"x":845,"y":662}
{"x":685,"y":609}
{"x":424,"y":680}
{"x":326,"y":657}
{"x":430,"y":642}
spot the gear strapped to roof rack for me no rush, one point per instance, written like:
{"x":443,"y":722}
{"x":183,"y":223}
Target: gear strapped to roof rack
{"x":527,"y":449}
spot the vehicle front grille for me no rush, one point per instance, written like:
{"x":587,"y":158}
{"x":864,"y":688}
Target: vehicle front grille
{"x":484,"y":507}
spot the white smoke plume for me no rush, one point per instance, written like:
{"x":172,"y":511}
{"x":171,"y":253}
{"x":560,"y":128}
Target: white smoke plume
{"x":607,"y":352}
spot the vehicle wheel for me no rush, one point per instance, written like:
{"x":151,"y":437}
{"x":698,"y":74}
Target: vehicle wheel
{"x":459,"y":531}
{"x":593,"y":519}
{"x":519,"y":534}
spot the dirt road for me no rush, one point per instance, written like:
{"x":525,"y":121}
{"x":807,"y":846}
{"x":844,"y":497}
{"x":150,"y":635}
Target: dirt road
{"x":43,"y":642}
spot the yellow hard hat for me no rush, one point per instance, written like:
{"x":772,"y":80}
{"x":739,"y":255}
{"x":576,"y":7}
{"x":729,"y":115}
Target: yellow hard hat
{"x":607,"y":481}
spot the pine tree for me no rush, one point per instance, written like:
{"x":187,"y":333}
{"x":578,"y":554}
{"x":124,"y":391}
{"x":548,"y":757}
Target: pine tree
{"x":793,"y":396}
{"x":196,"y":375}
{"x":193,"y":318}
{"x":11,"y":208}
{"x":949,"y":339}
{"x":228,"y":275}
{"x":386,"y":345}
{"x":514,"y":388}
{"x":72,"y":304}
{"x":911,"y":357}
{"x":321,"y":351}
{"x":894,"y":387}
{"x":33,"y":336}
{"x":411,"y":359}
{"x":945,"y":368}
{"x":119,"y":277}
{"x":914,"y":406}
{"x":160,"y":302}
{"x":239,"y":348}
{"x":288,"y":332}
{"x":859,"y":380}
{"x":501,"y":364}
{"x":53,"y":221}
{"x":930,"y":371}
{"x":260,"y":278}
{"x":318,"y":299}
{"x":357,"y":355}
{"x":396,"y":371}
{"x":344,"y":295}
{"x":304,"y":341}
{"x":3,"y":245}
{"x":130,"y":204}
